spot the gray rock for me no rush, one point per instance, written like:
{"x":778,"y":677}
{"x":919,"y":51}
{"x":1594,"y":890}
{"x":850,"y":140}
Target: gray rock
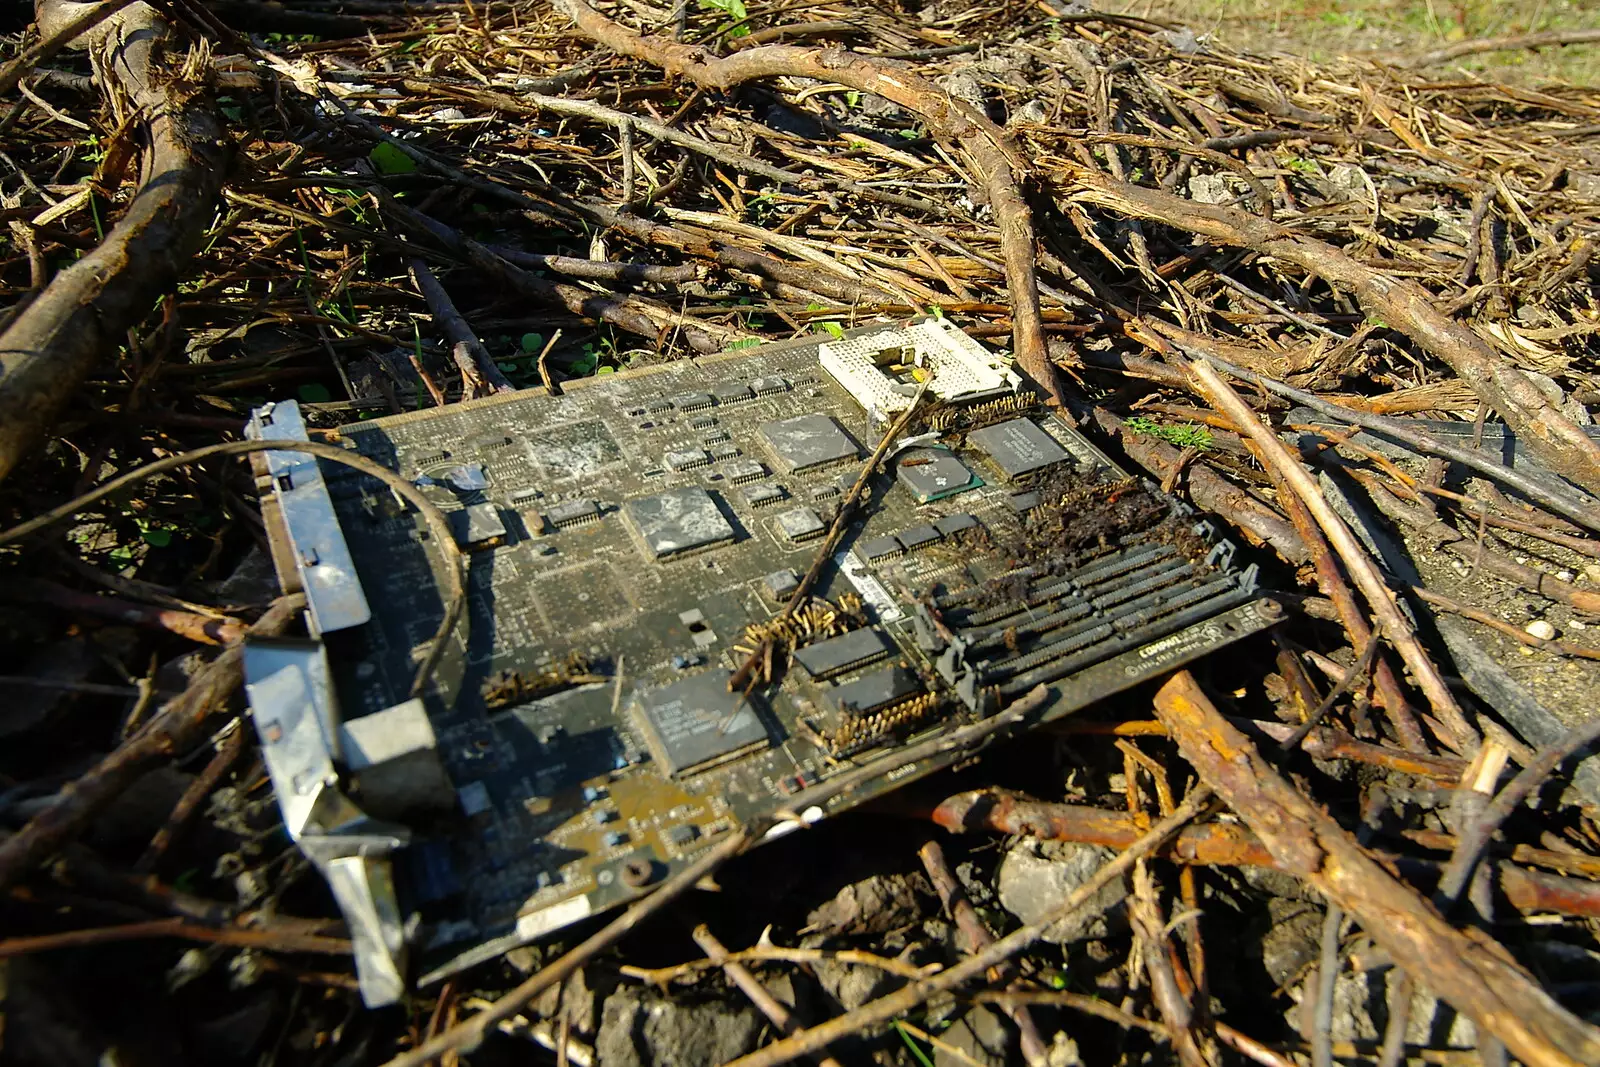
{"x":1033,"y":113}
{"x":1361,"y":1012}
{"x":26,"y":707}
{"x":963,"y":86}
{"x":850,"y":984}
{"x":642,"y":1028}
{"x":1036,"y":877}
{"x":1210,"y":189}
{"x":1294,"y":939}
{"x":873,"y":905}
{"x":981,"y":1034}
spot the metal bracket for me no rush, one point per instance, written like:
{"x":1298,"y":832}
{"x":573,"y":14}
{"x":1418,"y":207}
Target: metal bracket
{"x":327,"y":573}
{"x":296,"y":718}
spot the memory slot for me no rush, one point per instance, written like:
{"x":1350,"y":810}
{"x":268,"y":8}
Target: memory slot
{"x":998,"y":620}
{"x":1088,"y":633}
{"x":1122,"y":563}
{"x":990,"y":636}
{"x":1130,"y":622}
{"x":1162,"y":600}
{"x":1220,"y":600}
{"x":1131,"y":560}
{"x":1168,"y":574}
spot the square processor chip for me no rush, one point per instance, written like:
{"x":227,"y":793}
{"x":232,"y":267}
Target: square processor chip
{"x":807,"y":441}
{"x":932,"y":474}
{"x":697,"y":723}
{"x":679,"y":520}
{"x":1017,"y":447}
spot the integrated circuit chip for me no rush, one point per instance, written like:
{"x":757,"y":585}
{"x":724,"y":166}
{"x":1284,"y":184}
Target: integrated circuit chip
{"x":1018,"y":447}
{"x":839,"y":654}
{"x":877,"y":548}
{"x":917,"y":536}
{"x":801,"y":524}
{"x":679,"y":520}
{"x":693,"y":401}
{"x":808,"y":441}
{"x":872,"y":691}
{"x":697,"y":723}
{"x":932,"y":473}
{"x":760,"y":496}
{"x":746,"y":470}
{"x":478,"y":526}
{"x":686,"y":458}
{"x":780,"y":584}
{"x":572,"y":512}
{"x":731,"y":392}
{"x":951,"y":524}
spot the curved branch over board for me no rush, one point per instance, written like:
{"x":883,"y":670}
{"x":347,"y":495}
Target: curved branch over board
{"x":1403,"y":304}
{"x":984,"y":143}
{"x":86,"y":310}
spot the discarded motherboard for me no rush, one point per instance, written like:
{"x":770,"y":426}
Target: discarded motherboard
{"x":648,"y":658}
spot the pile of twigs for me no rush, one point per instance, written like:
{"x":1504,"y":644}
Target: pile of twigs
{"x":378,"y":206}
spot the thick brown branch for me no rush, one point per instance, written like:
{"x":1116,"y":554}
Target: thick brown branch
{"x":1403,"y":304}
{"x":1476,"y":980}
{"x":87,"y":309}
{"x":984,"y":143}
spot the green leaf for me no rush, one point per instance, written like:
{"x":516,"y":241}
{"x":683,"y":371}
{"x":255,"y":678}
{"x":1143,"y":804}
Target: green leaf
{"x":744,"y":342}
{"x":313,"y":393}
{"x":387,"y":159}
{"x":832,"y":329}
{"x":506,"y":368}
{"x":920,"y":1056}
{"x":157,"y":536}
{"x":603,"y":371}
{"x":1190,"y":436}
{"x":533,"y":343}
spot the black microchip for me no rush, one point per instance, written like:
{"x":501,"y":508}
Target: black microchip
{"x":692,"y":401}
{"x":955,"y":524}
{"x":931,"y":473}
{"x":807,"y":441}
{"x":1021,"y":502}
{"x":679,"y":520}
{"x":478,"y":526}
{"x":731,"y":392}
{"x":1018,"y":447}
{"x":838,"y":654}
{"x":696,"y":723}
{"x":877,"y":548}
{"x":873,"y":691}
{"x":917,"y":536}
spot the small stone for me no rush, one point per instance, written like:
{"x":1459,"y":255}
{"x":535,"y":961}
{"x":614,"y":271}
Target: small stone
{"x":1542,"y":629}
{"x":1592,"y":572}
{"x":1578,"y":624}
{"x":1037,"y":877}
{"x":1564,"y":576}
{"x":873,"y":905}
